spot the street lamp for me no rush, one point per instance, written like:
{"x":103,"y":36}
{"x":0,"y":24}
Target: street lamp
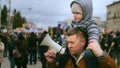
{"x":9,"y":17}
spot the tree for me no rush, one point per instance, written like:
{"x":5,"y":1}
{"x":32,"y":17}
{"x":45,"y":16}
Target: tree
{"x":4,"y":15}
{"x":18,"y":20}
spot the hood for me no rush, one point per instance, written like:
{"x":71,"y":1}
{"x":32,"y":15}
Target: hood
{"x":87,"y":8}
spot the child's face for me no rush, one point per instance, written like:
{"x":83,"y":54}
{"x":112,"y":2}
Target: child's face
{"x":77,"y":16}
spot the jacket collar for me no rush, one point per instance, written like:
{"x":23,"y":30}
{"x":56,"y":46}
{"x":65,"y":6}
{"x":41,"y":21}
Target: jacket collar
{"x":77,"y":59}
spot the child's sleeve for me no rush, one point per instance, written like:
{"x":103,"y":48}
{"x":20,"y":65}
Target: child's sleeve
{"x":93,"y":31}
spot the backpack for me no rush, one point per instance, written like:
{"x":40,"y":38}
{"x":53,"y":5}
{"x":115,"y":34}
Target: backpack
{"x":16,"y":53}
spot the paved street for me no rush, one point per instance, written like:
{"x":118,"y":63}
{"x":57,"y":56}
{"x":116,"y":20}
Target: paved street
{"x":6,"y":64}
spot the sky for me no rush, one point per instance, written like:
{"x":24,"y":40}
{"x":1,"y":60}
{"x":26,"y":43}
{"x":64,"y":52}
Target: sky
{"x":47,"y":12}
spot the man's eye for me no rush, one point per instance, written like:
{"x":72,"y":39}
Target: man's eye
{"x":72,"y":42}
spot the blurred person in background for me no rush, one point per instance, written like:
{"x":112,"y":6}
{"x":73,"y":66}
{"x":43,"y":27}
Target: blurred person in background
{"x":42,"y":49}
{"x":32,"y":46}
{"x":115,"y":48}
{"x":21,"y":61}
{"x":1,"y":52}
{"x":11,"y":46}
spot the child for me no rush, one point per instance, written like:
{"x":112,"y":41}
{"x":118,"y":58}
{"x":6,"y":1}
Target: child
{"x":82,"y":12}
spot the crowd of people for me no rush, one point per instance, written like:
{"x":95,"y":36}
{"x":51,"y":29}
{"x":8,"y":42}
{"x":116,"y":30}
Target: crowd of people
{"x":29,"y":47}
{"x":110,"y":42}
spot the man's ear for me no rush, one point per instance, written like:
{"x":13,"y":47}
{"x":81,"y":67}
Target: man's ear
{"x":83,"y":41}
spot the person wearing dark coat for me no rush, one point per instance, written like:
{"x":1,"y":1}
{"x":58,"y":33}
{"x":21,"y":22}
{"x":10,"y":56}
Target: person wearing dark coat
{"x":42,"y":49}
{"x":22,"y":61}
{"x":11,"y":46}
{"x":32,"y":46}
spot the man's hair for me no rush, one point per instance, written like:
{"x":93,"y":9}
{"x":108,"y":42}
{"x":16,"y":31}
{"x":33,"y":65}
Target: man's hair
{"x":80,"y":32}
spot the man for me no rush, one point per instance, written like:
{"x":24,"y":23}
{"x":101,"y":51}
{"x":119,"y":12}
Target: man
{"x":11,"y":46}
{"x":77,"y":43}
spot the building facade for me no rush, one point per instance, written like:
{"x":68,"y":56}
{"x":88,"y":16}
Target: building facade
{"x":113,"y":16}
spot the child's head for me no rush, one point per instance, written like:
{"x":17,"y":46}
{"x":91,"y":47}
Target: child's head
{"x":77,"y":11}
{"x":82,"y":10}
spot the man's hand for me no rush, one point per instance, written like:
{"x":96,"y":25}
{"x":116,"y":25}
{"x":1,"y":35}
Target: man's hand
{"x":50,"y":56}
{"x":95,"y":47}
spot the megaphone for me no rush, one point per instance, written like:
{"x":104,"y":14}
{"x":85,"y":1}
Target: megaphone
{"x":52,"y":45}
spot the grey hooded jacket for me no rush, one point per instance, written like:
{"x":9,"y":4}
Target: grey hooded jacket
{"x":86,"y":22}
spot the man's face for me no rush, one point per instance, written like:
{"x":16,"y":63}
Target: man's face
{"x":77,"y":16}
{"x":75,"y":45}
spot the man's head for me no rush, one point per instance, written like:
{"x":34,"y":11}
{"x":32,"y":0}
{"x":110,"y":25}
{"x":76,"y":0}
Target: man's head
{"x":14,"y":37}
{"x":77,"y":40}
{"x":118,"y":33}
